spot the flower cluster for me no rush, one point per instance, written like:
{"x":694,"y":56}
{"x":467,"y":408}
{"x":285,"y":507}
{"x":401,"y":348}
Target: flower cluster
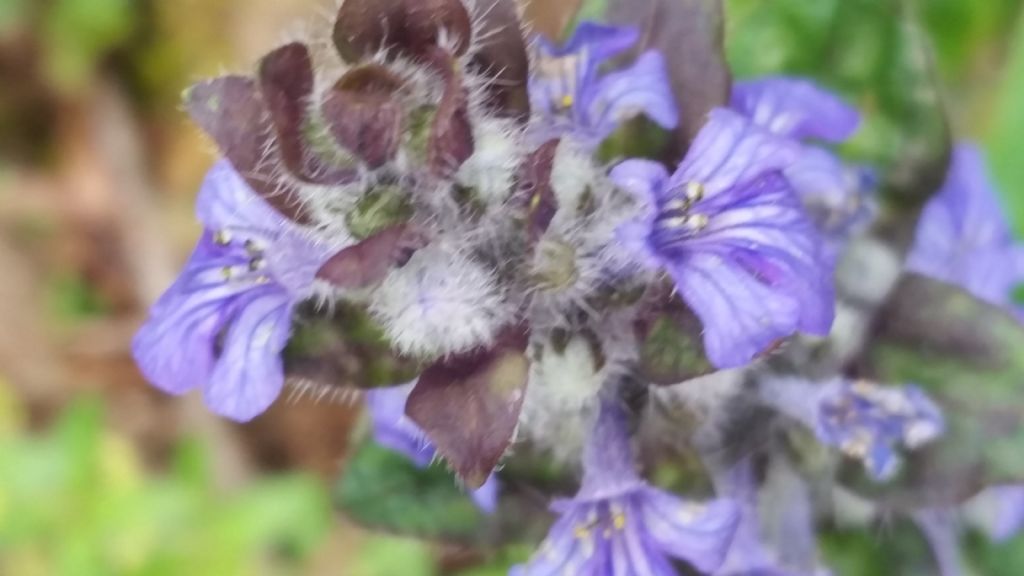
{"x":440,"y":171}
{"x":862,"y":419}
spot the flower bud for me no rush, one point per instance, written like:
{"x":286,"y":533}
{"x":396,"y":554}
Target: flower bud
{"x":363,"y":116}
{"x":401,"y":27}
{"x":440,"y":303}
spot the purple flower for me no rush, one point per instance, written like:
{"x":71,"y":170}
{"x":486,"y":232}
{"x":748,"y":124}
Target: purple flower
{"x":864,"y":420}
{"x":964,"y":238}
{"x":618,"y":524}
{"x":941,"y":529}
{"x":999,"y":511}
{"x":837,"y":195}
{"x":748,"y":556}
{"x":573,"y":98}
{"x":795,"y":108}
{"x":395,"y":431}
{"x":1010,"y":520}
{"x":225,"y":321}
{"x":732,"y":234}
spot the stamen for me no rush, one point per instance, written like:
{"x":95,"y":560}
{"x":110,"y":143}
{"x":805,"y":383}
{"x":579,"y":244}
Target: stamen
{"x":222,"y":237}
{"x":699,"y":221}
{"x":695,"y":191}
{"x":582,"y":532}
{"x":567,"y":101}
{"x":619,"y":521}
{"x":675,"y":222}
{"x":253,"y":248}
{"x":257,"y":264}
{"x":227,"y":273}
{"x":695,"y":222}
{"x":677,"y":204}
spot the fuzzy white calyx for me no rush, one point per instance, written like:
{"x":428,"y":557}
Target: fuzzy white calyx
{"x":561,"y":398}
{"x":491,"y":170}
{"x":440,"y":303}
{"x":572,"y":175}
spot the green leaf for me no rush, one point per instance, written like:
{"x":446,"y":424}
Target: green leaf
{"x":345,"y":350}
{"x":672,"y":350}
{"x":901,"y":551}
{"x":384,"y":490}
{"x":970,"y":357}
{"x":670,"y":355}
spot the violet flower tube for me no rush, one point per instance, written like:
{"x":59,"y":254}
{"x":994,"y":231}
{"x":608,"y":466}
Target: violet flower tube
{"x":618,"y":524}
{"x":223,"y":324}
{"x":573,"y":98}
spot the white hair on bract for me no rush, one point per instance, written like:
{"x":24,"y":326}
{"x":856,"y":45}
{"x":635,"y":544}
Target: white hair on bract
{"x":441,"y":303}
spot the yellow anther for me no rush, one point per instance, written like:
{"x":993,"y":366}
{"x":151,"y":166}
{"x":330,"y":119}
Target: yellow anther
{"x":227,"y":273}
{"x":567,"y":101}
{"x":222,"y":238}
{"x":535,"y":202}
{"x":581,"y":532}
{"x":252,"y":248}
{"x":619,"y":521}
{"x":699,"y":221}
{"x":695,"y":191}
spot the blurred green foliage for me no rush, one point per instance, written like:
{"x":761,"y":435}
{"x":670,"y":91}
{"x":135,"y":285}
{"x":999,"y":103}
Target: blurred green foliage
{"x":77,"y":502}
{"x":78,"y":33}
{"x":1004,"y":141}
{"x":387,"y":556}
{"x":12,"y":15}
{"x":73,"y":299}
{"x":872,"y":51}
{"x":860,"y":48}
